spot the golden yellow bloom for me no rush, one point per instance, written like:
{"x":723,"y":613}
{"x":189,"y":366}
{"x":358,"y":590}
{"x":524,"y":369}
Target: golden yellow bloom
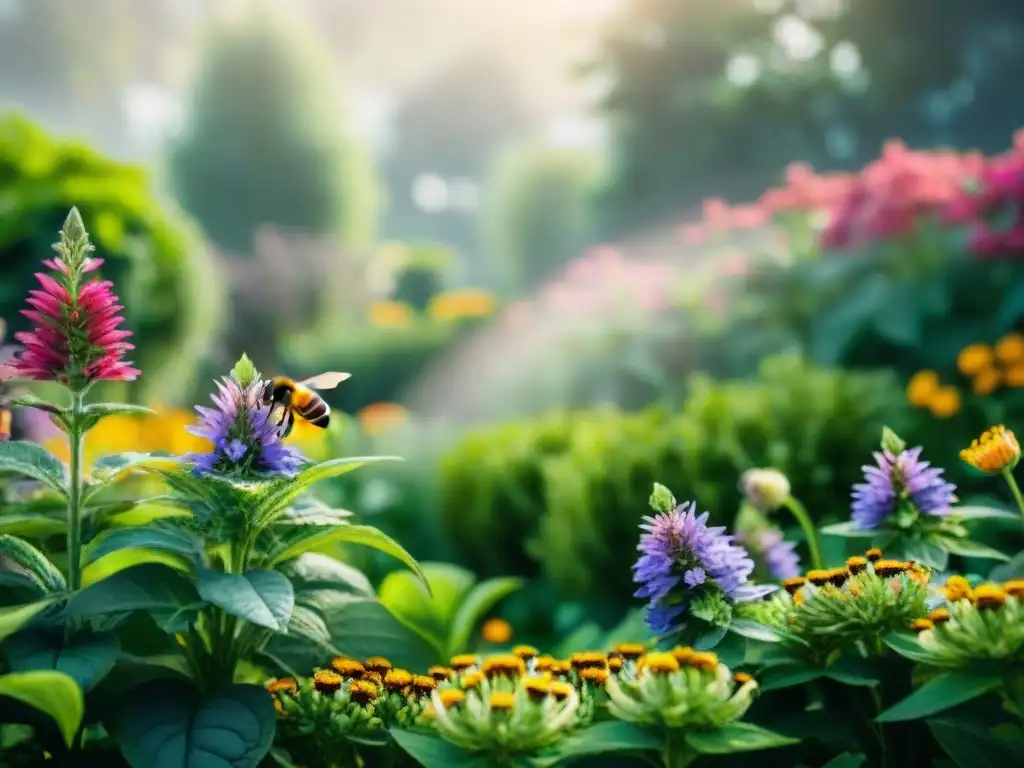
{"x":945,"y":402}
{"x":631,"y":651}
{"x":661,"y":663}
{"x":502,"y":700}
{"x":922,"y":387}
{"x":997,"y":449}
{"x":440,"y":673}
{"x":283,"y":685}
{"x":793,"y":584}
{"x":397,"y":679}
{"x":562,"y":667}
{"x":451,"y":696}
{"x":1010,"y":349}
{"x":856,"y":564}
{"x":873,"y":555}
{"x":974,"y":358}
{"x":525,"y":652}
{"x":348,"y":667}
{"x":589,"y":659}
{"x":362,"y":691}
{"x":326,"y":681}
{"x":560,"y":690}
{"x":377,"y":664}
{"x":507,"y":664}
{"x":544,"y":663}
{"x":614,"y":663}
{"x":818,"y":577}
{"x":455,"y":305}
{"x":463,"y":661}
{"x":537,"y":688}
{"x":986,"y":381}
{"x":838,"y":576}
{"x":939,"y":616}
{"x":683,"y":654}
{"x":887,"y":568}
{"x":423,"y":684}
{"x":496,"y":631}
{"x":957,"y":588}
{"x":705,"y":660}
{"x":595,"y":675}
{"x":390,"y":314}
{"x":1014,"y":588}
{"x":1014,"y":376}
{"x":988,"y":596}
{"x":472,"y":680}
{"x":378,"y":418}
{"x":920,"y":625}
{"x":373,"y":676}
{"x":742,"y":678}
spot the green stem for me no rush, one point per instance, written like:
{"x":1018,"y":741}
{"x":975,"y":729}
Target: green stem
{"x":676,"y":754}
{"x":810,"y":532}
{"x":1014,"y":488}
{"x":880,"y":729}
{"x":76,"y":436}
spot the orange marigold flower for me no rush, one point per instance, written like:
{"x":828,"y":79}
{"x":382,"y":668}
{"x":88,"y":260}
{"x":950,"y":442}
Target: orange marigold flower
{"x":997,"y":449}
{"x":945,"y":402}
{"x":922,"y":387}
{"x":974,"y":358}
{"x":496,"y":631}
{"x":1010,"y":349}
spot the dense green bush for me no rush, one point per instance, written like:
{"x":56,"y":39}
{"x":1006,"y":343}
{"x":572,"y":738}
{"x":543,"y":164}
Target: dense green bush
{"x":265,"y":147}
{"x":158,"y":265}
{"x":420,"y":273}
{"x":567,"y":485}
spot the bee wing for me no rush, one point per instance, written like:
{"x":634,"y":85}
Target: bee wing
{"x":328,"y":380}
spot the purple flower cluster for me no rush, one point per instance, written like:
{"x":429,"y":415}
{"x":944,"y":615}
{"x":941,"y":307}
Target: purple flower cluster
{"x":680,"y":555}
{"x":896,"y":477}
{"x":244,"y":435}
{"x":777,"y":554}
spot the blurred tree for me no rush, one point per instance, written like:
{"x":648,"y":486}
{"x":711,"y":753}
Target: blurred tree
{"x":164,"y":277}
{"x":537,"y":212}
{"x":266,"y":144}
{"x":715,"y":96}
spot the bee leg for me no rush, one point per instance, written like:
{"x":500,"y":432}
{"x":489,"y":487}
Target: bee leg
{"x":290,"y":422}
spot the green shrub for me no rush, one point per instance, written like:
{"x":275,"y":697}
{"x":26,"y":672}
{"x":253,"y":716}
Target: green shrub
{"x":568,"y":486}
{"x":420,"y":273}
{"x":158,"y":266}
{"x":266,"y":147}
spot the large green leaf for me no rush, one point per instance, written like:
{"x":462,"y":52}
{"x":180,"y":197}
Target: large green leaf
{"x":137,"y":512}
{"x":34,"y":562}
{"x":754,"y":630}
{"x":478,"y":603}
{"x":848,"y":530}
{"x":939,"y":694}
{"x":180,"y":728}
{"x":52,"y":693}
{"x":846,"y":760}
{"x":174,"y":540}
{"x":123,"y":559}
{"x":365,"y":535}
{"x":313,"y":573}
{"x":265,"y":598}
{"x":930,"y":552}
{"x":971,"y":747}
{"x":32,"y":526}
{"x":984,"y":513}
{"x":786,"y":676}
{"x":361,"y":628}
{"x":736,"y":737}
{"x":148,"y":587}
{"x":312,"y":511}
{"x":906,"y":645}
{"x":432,"y":751}
{"x":408,"y":599}
{"x":968,"y":548}
{"x":87,"y":659}
{"x":12,"y":619}
{"x":32,"y":460}
{"x":608,"y":737}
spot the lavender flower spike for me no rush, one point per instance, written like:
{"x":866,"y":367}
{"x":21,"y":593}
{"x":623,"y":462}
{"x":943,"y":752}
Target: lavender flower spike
{"x":900,"y":477}
{"x":681,"y":557}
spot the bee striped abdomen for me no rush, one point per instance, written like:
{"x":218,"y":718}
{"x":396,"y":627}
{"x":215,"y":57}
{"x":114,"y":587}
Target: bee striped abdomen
{"x":314,"y":410}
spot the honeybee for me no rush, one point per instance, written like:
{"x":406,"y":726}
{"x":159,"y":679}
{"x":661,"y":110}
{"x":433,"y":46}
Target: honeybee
{"x":299,"y":397}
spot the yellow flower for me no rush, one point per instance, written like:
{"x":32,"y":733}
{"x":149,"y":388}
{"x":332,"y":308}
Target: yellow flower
{"x":380,"y":417}
{"x":1014,"y":376}
{"x":986,"y":381}
{"x":362,"y":692}
{"x":922,"y":387}
{"x":348,"y":667}
{"x":377,"y":664}
{"x":588,"y":659}
{"x":660,"y":663}
{"x":284,"y":685}
{"x":920,"y":625}
{"x":974,"y":358}
{"x":525,"y":652}
{"x":595,"y":675}
{"x":945,"y":402}
{"x":537,"y":688}
{"x":997,"y":449}
{"x":496,"y":631}
{"x":423,"y":684}
{"x":1015,"y":588}
{"x":397,"y":679}
{"x":957,"y":588}
{"x":455,"y":305}
{"x":939,"y":616}
{"x":440,"y":673}
{"x":463,"y":661}
{"x":507,"y":664}
{"x":390,"y":314}
{"x":793,"y":584}
{"x":502,"y":700}
{"x":326,"y":681}
{"x":561,"y":690}
{"x":988,"y":596}
{"x":742,"y":678}
{"x":451,"y":696}
{"x":1010,"y":349}
{"x":472,"y":680}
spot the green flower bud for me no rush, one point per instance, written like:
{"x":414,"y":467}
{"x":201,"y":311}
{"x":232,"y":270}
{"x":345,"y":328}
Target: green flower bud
{"x":712,"y":607}
{"x":244,"y":371}
{"x":662,"y":499}
{"x":891,"y":442}
{"x":765,"y":489}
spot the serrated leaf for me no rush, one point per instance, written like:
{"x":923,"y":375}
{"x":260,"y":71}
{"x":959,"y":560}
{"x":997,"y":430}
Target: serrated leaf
{"x":480,"y":601}
{"x":32,"y":460}
{"x":968,"y":548}
{"x":52,"y":693}
{"x":15,"y":617}
{"x":939,"y":694}
{"x":736,"y":737}
{"x":86,"y":659}
{"x":166,"y":539}
{"x":34,"y":562}
{"x":264,"y":598}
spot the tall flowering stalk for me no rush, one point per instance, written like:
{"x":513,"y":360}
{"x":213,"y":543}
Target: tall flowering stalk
{"x":76,"y":341}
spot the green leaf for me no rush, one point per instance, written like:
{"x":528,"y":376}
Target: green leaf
{"x":754,"y":630}
{"x":12,"y":619}
{"x":285,"y":492}
{"x":787,"y":676}
{"x":314,"y":573}
{"x":31,"y":401}
{"x":173,"y":540}
{"x":147,"y":587}
{"x":123,"y":559}
{"x":244,"y":371}
{"x":852,"y":671}
{"x":984,"y":513}
{"x":632,"y":629}
{"x":312,"y":511}
{"x":968,"y":548}
{"x":846,"y":760}
{"x":96,"y":411}
{"x":939,"y":694}
{"x":478,"y":603}
{"x":365,"y":535}
{"x":432,"y":751}
{"x":971,"y":747}
{"x":265,"y":598}
{"x":929,"y":552}
{"x":736,"y":737}
{"x":33,"y":561}
{"x":847,"y":530}
{"x":858,"y":305}
{"x":906,"y":645}
{"x":360,"y":628}
{"x":408,"y":599}
{"x":52,"y":693}
{"x":32,"y":460}
{"x":180,"y":728}
{"x":32,"y":526}
{"x":605,"y":737}
{"x":86,"y":659}
{"x":137,"y":512}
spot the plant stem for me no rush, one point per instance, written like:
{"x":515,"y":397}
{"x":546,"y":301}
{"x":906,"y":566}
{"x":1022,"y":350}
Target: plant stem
{"x":676,"y":753}
{"x":810,"y":532}
{"x":880,"y":729}
{"x":1014,"y":488}
{"x":76,"y":437}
